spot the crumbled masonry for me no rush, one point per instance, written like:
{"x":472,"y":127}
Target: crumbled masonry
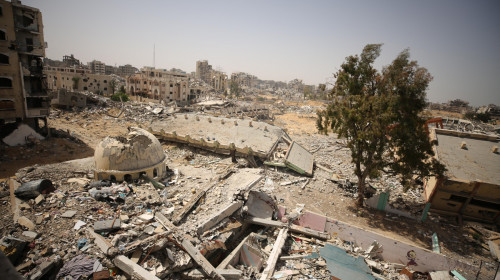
{"x":205,"y":216}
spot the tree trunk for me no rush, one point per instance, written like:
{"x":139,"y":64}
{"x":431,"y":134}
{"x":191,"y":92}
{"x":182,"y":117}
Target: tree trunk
{"x":361,"y":191}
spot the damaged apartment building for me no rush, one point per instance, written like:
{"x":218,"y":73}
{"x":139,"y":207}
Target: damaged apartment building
{"x":471,"y":187}
{"x":23,"y":88}
{"x":216,"y":79}
{"x":159,"y":84}
{"x":78,"y":79}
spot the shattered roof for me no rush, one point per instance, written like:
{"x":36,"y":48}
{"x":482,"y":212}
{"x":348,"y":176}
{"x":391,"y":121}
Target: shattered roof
{"x":477,"y":162}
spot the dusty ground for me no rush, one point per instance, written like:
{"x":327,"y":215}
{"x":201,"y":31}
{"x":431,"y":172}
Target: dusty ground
{"x":86,"y":128}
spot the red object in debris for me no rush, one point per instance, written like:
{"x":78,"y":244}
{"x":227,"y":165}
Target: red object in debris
{"x":99,"y":275}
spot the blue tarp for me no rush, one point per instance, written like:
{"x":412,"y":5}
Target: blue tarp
{"x":344,"y":266}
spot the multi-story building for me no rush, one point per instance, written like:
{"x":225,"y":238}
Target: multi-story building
{"x":203,"y":71}
{"x":97,"y":67}
{"x":159,"y":84}
{"x":78,"y":79}
{"x":218,"y":80}
{"x":108,"y":70}
{"x":70,"y":60}
{"x":126,"y":70}
{"x":23,"y":89}
{"x":244,"y":79}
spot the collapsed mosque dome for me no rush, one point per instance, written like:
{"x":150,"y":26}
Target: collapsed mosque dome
{"x":125,"y":158}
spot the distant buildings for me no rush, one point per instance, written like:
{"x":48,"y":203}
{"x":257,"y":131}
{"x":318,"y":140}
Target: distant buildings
{"x":203,"y":71}
{"x":70,"y":60}
{"x":97,"y":67}
{"x":23,"y":91}
{"x":159,"y":84}
{"x":78,"y":79}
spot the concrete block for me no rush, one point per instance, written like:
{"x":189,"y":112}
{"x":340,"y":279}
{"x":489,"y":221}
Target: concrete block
{"x":27,"y":223}
{"x":221,"y":215}
{"x":107,"y":225}
{"x":29,"y":235}
{"x":100,"y":241}
{"x":124,"y":218}
{"x":69,"y":214}
{"x":39,"y":199}
{"x":136,"y":255}
{"x":146,"y":217}
{"x":299,"y":159}
{"x":260,"y":205}
{"x":312,"y":221}
{"x":133,"y":269}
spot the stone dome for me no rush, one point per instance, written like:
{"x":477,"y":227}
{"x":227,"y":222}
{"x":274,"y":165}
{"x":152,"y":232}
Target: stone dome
{"x":139,"y":149}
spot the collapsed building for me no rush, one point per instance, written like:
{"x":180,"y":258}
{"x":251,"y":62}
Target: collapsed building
{"x":227,"y":227}
{"x":471,"y":186}
{"x":249,"y":139}
{"x":127,"y":158}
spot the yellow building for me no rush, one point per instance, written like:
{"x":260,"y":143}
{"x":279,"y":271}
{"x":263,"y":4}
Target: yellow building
{"x":23,"y":90}
{"x":471,"y":186}
{"x":159,"y":84}
{"x":78,"y":79}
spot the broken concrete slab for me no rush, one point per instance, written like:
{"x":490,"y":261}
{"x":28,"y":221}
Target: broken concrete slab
{"x":69,"y":214}
{"x":25,"y":222}
{"x":395,"y":250}
{"x":39,"y":199}
{"x":136,"y":255}
{"x":260,"y":205}
{"x":107,"y":225}
{"x":221,"y":215}
{"x":225,"y":134}
{"x":101,"y":242}
{"x":29,"y":235}
{"x":133,"y":269}
{"x":146,"y":217}
{"x":299,"y":159}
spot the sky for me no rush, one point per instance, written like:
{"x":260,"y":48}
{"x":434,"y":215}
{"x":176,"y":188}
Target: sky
{"x":457,"y":41}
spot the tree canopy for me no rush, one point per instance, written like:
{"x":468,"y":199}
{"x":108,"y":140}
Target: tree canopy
{"x":379,"y":113}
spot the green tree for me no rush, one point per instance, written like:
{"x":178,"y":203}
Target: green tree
{"x":379,"y":113}
{"x":76,"y":80}
{"x":235,"y":89}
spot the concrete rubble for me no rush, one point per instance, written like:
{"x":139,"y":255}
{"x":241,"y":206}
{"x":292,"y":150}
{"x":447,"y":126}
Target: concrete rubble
{"x":211,"y":216}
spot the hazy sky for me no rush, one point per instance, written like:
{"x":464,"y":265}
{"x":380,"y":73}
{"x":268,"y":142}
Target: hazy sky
{"x":457,"y":41}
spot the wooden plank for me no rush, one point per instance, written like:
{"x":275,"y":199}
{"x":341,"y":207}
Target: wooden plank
{"x":275,"y":253}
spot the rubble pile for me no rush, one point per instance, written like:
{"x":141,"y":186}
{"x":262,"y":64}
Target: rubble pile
{"x":209,"y":217}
